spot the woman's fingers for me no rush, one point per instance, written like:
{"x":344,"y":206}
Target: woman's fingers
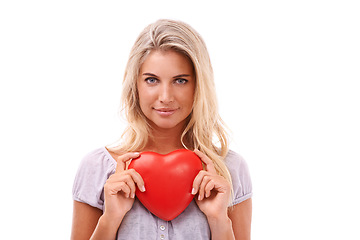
{"x":121,"y":160}
{"x":203,"y":183}
{"x":136,"y":177}
{"x":199,"y":179}
{"x":113,"y":188}
{"x":205,"y":187}
{"x":131,"y":184}
{"x":130,"y":176}
{"x":125,"y":181}
{"x":208,"y":187}
{"x":197,"y":182}
{"x":207,"y":161}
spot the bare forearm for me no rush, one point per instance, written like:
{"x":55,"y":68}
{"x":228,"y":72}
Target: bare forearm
{"x":106,"y":229}
{"x":221,"y":229}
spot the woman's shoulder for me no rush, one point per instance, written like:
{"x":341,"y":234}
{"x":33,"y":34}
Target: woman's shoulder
{"x":97,"y":159}
{"x":234,"y":160}
{"x":95,"y":168}
{"x":240,"y":176}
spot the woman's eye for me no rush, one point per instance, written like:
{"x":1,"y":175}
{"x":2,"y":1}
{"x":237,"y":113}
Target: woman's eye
{"x":181,"y":81}
{"x":151,"y":80}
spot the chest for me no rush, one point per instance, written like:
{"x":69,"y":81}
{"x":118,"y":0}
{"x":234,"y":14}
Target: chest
{"x":140,"y":224}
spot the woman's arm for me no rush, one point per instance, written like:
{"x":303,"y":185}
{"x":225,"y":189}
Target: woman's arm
{"x":90,"y":223}
{"x":119,"y":193}
{"x":213,"y":198}
{"x":221,"y":228}
{"x":240,"y":216}
{"x":237,"y":223}
{"x":85,"y":219}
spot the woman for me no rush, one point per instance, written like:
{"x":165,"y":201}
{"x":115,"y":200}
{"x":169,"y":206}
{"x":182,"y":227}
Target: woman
{"x":169,"y":101}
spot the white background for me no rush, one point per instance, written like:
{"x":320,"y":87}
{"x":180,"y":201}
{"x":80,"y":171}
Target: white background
{"x":287,"y":75}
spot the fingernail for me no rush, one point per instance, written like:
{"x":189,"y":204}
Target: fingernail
{"x":193,"y":191}
{"x":142,"y":188}
{"x":133,"y":195}
{"x":199,"y":198}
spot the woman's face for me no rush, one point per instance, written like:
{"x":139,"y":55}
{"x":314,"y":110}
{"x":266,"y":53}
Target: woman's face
{"x":166,"y":87}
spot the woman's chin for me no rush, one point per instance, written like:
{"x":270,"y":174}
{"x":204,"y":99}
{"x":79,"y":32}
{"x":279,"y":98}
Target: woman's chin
{"x":167,"y":125}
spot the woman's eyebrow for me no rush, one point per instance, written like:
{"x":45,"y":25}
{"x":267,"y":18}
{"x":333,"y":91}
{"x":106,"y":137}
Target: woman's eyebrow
{"x":149,"y":74}
{"x":182,"y":75}
{"x":177,"y":76}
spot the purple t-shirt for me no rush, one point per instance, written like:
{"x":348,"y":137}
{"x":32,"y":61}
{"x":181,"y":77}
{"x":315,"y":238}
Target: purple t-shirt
{"x":139,"y":223}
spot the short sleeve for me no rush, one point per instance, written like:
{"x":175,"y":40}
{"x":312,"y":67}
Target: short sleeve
{"x":240,"y":177}
{"x":95,"y":168}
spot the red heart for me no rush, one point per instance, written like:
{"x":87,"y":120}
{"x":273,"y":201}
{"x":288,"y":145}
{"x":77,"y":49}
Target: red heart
{"x":168,"y":181}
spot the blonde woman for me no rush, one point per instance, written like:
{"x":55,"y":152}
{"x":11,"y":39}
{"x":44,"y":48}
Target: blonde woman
{"x":170,"y":103}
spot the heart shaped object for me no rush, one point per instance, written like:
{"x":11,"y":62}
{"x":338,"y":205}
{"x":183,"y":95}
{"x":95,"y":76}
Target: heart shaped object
{"x":168,"y":181}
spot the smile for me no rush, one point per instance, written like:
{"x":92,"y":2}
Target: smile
{"x":165,"y":111}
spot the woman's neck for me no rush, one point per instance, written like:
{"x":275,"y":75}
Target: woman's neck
{"x":164,"y":141}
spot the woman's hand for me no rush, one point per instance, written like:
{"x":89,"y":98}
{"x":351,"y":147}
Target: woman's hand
{"x":119,"y":189}
{"x":213,"y":190}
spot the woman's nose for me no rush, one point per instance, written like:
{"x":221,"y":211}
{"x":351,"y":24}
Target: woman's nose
{"x":166,"y":95}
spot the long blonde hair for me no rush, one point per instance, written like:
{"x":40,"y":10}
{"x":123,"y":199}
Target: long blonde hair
{"x":205,"y":129}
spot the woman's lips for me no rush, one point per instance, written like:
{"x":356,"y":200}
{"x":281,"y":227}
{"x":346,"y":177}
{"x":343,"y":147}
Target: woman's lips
{"x":165,"y":111}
